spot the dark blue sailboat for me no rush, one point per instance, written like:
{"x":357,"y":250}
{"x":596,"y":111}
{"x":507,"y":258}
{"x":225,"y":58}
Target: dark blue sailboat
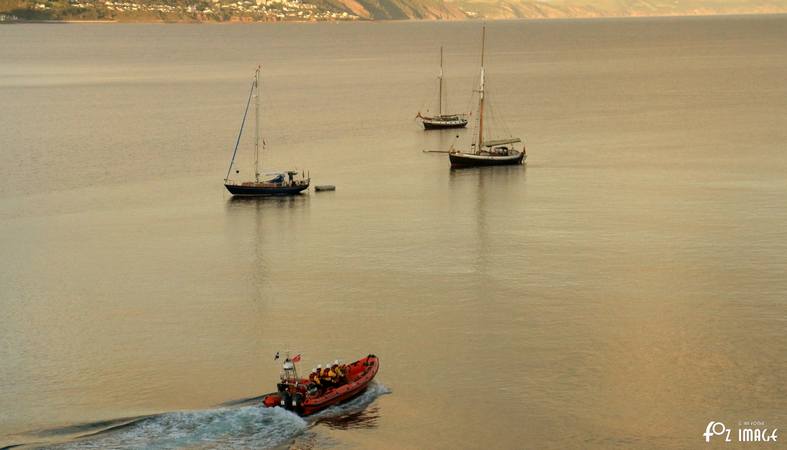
{"x":289,"y":182}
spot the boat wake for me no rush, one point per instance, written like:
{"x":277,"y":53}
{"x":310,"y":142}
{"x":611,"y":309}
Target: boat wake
{"x":238,"y":424}
{"x":244,"y":427}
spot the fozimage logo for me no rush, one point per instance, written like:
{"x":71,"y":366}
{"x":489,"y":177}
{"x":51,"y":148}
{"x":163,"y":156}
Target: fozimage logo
{"x":747,"y":431}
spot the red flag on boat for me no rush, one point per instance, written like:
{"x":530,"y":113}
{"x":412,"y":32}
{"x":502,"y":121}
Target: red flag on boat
{"x":297,"y":358}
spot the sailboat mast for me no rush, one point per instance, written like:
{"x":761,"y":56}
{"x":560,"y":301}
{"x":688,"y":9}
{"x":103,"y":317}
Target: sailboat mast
{"x":481,"y":95}
{"x":240,"y":133}
{"x":257,"y":125}
{"x":440,"y":92}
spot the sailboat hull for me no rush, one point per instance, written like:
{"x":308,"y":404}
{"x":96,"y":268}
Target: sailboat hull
{"x":266,"y":191}
{"x":459,"y":160}
{"x":441,"y":124}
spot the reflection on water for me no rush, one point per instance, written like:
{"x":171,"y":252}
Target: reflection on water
{"x":490,"y":181}
{"x":261,"y":203}
{"x":361,"y":419}
{"x":357,"y":413}
{"x":272,"y":218}
{"x":488,"y":192}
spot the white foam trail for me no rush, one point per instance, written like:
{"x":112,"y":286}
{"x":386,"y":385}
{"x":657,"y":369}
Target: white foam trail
{"x":245,"y":427}
{"x":229,"y":427}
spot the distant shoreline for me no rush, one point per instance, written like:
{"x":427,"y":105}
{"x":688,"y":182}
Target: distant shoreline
{"x":57,"y":22}
{"x":247,"y":22}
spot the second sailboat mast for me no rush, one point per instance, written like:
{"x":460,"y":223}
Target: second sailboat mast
{"x":481,"y":96}
{"x":257,"y":125}
{"x":440,"y":92}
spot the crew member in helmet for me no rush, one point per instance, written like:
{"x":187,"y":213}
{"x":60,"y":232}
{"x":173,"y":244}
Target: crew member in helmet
{"x":338,"y":376}
{"x":328,"y":375}
{"x":314,"y":377}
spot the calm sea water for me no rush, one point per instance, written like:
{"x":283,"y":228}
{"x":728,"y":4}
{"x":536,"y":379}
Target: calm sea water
{"x":621,"y":290}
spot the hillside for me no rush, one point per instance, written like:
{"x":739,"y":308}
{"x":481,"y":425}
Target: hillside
{"x":509,"y":9}
{"x":312,"y":10}
{"x":396,"y":9}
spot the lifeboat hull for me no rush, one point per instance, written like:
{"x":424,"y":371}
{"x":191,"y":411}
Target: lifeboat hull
{"x":359,"y":375}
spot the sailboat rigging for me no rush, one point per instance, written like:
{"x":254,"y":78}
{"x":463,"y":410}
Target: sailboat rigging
{"x":497,"y":152}
{"x":442,"y":121}
{"x":289,"y":182}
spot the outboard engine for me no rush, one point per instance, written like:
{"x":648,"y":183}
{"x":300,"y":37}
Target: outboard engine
{"x":297,"y":402}
{"x":290,"y":398}
{"x":286,"y":400}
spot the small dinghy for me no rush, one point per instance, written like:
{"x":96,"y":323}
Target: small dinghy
{"x":306,"y":396}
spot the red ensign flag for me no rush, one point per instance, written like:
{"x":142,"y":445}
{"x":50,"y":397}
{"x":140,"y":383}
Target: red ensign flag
{"x":297,"y":358}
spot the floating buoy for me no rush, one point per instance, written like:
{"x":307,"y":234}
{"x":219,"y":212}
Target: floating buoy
{"x":325,"y":187}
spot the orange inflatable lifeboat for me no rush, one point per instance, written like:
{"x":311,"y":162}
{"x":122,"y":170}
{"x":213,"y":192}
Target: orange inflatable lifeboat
{"x":305,"y":397}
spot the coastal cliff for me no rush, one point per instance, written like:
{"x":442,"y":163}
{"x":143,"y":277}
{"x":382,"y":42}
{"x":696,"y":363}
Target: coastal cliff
{"x":336,"y":10}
